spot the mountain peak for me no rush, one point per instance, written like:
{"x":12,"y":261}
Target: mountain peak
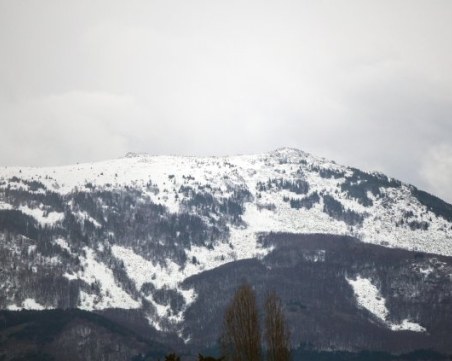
{"x":135,"y":154}
{"x":288,"y":151}
{"x":282,"y":151}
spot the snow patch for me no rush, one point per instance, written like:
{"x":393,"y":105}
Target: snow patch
{"x":63,"y":244}
{"x":70,"y":277}
{"x":111,"y":294}
{"x":42,"y":217}
{"x":13,"y":308}
{"x":369,"y":297}
{"x":426,"y":271}
{"x":31,"y":249}
{"x":5,"y":206}
{"x":407,"y":325}
{"x":142,"y":271}
{"x":27,"y":304}
{"x":82,"y":216}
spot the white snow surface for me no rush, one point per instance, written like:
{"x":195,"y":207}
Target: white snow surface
{"x":407,"y":325}
{"x":27,"y":304}
{"x":5,"y":206}
{"x":41,"y":216}
{"x":82,"y":216}
{"x":142,"y":271}
{"x":111,"y":294}
{"x":63,"y":244}
{"x":426,"y":271}
{"x":168,"y":173}
{"x":369,"y":297}
{"x":221,"y":174}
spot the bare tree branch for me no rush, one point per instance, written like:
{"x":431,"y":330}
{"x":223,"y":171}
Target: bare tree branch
{"x":241,"y":340}
{"x":277,"y":335}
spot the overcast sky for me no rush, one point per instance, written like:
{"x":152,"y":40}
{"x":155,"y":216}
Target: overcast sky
{"x":366,"y":83}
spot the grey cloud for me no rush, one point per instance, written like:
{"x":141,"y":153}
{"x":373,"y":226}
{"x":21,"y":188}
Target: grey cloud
{"x":365,"y":83}
{"x":436,"y":170}
{"x":66,"y":128}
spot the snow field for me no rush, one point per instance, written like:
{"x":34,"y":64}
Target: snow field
{"x":369,"y":297}
{"x":111,"y":294}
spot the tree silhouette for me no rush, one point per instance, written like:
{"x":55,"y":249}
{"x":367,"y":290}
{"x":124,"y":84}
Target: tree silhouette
{"x":277,"y":336}
{"x":172,"y":357}
{"x":241,"y":340}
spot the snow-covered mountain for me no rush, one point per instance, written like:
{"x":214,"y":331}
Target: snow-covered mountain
{"x":128,"y":233}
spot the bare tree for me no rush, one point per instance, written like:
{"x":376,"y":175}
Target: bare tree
{"x":241,"y":339}
{"x":277,"y":335}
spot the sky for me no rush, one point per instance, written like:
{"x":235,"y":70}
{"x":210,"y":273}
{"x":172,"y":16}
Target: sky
{"x":365,"y":83}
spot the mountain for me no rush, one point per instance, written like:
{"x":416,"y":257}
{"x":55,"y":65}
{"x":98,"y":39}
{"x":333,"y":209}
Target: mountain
{"x":70,"y":335}
{"x":159,"y":243}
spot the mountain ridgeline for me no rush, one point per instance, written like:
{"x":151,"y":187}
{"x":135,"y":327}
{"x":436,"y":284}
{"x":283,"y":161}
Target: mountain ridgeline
{"x":158,"y":244}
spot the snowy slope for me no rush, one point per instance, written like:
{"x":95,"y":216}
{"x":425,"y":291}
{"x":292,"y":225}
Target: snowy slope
{"x":369,"y":297}
{"x":235,"y":198}
{"x":169,"y":173}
